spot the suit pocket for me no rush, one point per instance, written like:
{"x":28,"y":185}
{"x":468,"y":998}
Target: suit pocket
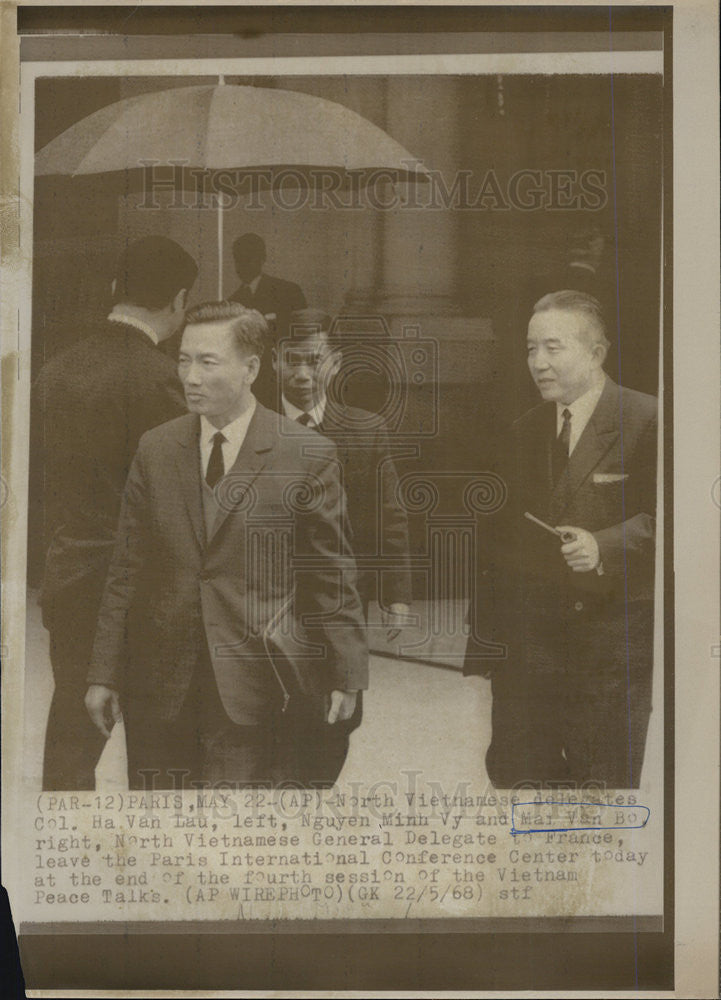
{"x":609,"y":478}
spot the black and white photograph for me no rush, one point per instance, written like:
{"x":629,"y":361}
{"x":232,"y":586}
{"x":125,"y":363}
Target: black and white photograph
{"x":342,"y":489}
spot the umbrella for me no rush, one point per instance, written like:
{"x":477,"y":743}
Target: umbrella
{"x":227,"y":127}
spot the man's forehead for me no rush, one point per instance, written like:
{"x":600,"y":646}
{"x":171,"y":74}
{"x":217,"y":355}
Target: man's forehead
{"x":306,"y":341}
{"x":558,"y":323}
{"x":212,"y":338}
{"x":216,"y":331}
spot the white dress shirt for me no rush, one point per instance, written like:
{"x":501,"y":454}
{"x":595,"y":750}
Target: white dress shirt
{"x":120,"y":317}
{"x":252,"y":285}
{"x":234,"y":434}
{"x":581,"y":410}
{"x":316,"y":414}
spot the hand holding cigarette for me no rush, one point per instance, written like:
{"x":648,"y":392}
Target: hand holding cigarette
{"x":579,"y":547}
{"x":565,"y":534}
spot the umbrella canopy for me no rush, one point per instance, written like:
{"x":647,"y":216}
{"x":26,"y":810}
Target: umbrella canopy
{"x":225,"y":127}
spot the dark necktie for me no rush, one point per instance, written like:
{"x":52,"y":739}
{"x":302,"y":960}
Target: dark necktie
{"x":561,"y":447}
{"x":216,"y":467}
{"x":306,"y":420}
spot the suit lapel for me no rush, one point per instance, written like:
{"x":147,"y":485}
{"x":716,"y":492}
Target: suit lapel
{"x":253,"y":456}
{"x":260,"y":296}
{"x":598,"y":435}
{"x":187,"y":462}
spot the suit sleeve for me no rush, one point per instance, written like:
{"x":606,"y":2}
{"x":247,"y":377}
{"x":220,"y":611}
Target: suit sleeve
{"x":297,"y":298}
{"x":627,"y":549}
{"x":122,"y":583}
{"x":395,"y":581}
{"x":327,"y":600}
{"x":42,"y":513}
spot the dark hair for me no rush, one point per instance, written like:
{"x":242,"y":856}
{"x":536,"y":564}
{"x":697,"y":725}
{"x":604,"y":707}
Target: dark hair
{"x":249,"y":245}
{"x":248,"y":325}
{"x":306,"y":322}
{"x":578,"y":302}
{"x":151,"y":271}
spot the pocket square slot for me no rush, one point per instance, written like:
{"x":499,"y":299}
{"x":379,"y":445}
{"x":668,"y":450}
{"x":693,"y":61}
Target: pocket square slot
{"x":609,"y":477}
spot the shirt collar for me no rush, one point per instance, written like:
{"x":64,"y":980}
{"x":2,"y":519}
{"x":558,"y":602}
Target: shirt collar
{"x":234,"y":432}
{"x":582,"y":408}
{"x":252,"y":285}
{"x":116,"y":316}
{"x":316,"y":414}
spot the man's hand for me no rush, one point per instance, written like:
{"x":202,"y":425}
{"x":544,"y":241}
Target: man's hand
{"x":342,"y":705}
{"x":395,"y":620}
{"x":582,"y":553}
{"x":103,"y":705}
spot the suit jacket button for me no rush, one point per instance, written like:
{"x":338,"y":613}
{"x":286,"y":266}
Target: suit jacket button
{"x":578,"y":606}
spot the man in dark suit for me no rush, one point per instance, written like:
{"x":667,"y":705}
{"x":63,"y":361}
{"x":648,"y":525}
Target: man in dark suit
{"x":306,"y":363}
{"x":92,"y":403}
{"x":274,"y":297}
{"x":230,"y":518}
{"x":573,"y":602}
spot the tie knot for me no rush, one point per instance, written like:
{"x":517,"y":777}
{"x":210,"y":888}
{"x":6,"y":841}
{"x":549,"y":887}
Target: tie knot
{"x":566,"y":414}
{"x":305,"y":419}
{"x":219,"y":438}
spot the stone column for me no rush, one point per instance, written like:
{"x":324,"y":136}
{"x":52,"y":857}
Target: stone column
{"x":419,"y":244}
{"x":418,"y":248}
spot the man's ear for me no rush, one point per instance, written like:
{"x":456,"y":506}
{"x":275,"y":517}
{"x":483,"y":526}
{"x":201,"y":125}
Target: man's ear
{"x":113,"y":286}
{"x":253,"y":368}
{"x":334,"y":363}
{"x":600,"y":351}
{"x":180,"y":301}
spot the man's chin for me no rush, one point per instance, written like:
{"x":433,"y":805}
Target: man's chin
{"x":304,"y":402}
{"x":549,"y":391}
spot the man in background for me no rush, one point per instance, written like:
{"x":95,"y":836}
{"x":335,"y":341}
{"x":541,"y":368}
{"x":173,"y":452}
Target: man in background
{"x":92,"y":403}
{"x":229,"y":523}
{"x":275,"y":298}
{"x":306,"y":363}
{"x":573,"y":598}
